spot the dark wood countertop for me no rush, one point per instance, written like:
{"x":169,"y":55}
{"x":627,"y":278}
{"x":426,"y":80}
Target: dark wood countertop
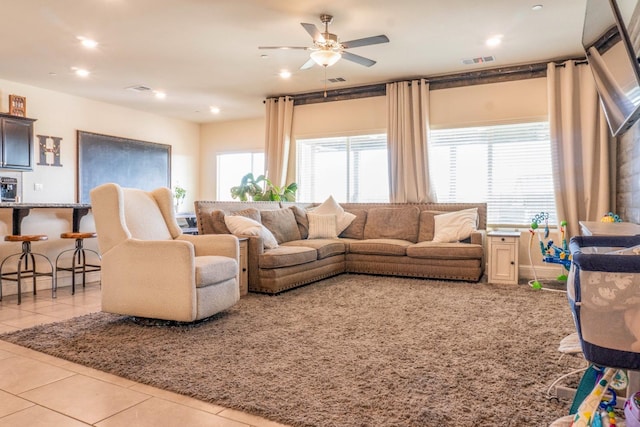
{"x":22,"y":205}
{"x":21,"y":210}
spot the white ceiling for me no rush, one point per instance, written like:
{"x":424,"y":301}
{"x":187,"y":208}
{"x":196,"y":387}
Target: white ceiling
{"x":204,"y":53}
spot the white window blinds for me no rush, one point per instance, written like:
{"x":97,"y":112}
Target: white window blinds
{"x":506,"y":166}
{"x":351,"y":169}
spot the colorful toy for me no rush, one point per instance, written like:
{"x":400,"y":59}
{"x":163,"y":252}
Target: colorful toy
{"x":550,"y":252}
{"x":610,"y":217}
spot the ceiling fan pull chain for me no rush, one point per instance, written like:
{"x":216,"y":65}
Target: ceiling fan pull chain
{"x":325,"y":81}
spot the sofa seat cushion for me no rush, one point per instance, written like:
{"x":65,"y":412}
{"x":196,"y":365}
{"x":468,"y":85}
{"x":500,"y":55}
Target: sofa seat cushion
{"x":324,"y":247}
{"x":435,"y":250}
{"x":213,"y":269}
{"x":379,"y":247}
{"x":286,"y":256}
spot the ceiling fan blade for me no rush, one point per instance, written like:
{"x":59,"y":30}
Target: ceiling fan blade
{"x":358,"y":59}
{"x":313,"y":31}
{"x":365,"y":41}
{"x":283,"y":47}
{"x":310,"y":63}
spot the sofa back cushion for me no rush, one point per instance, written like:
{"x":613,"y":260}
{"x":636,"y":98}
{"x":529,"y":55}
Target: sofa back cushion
{"x":393,"y":223}
{"x":355,"y":230}
{"x":282,"y":223}
{"x":427,"y":225}
{"x":301,"y":219}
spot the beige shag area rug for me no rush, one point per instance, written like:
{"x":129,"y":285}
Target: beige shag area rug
{"x":353,"y":350}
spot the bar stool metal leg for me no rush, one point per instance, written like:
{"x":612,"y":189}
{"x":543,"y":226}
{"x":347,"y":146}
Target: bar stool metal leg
{"x":79,"y":263}
{"x":27,"y":266}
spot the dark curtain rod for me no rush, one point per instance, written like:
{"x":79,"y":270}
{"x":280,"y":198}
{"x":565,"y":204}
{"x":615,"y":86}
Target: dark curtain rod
{"x":494,"y":75}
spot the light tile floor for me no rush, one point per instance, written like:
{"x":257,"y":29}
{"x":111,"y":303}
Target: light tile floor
{"x":40,"y":390}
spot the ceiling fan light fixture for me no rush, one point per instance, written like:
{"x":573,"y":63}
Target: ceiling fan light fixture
{"x":325,"y":58}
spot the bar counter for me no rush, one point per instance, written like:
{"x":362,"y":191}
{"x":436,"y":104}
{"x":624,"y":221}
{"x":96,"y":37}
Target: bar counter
{"x":21,"y":210}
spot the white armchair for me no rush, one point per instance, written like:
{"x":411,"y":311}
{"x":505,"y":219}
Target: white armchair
{"x":149,"y":268}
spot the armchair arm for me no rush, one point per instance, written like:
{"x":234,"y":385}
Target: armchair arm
{"x":213,"y":244}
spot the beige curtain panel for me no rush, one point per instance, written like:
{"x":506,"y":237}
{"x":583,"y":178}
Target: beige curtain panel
{"x":581,"y":146}
{"x":407,"y":130}
{"x":279,"y":123}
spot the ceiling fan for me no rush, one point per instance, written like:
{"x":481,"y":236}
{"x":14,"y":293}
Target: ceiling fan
{"x":328,"y":49}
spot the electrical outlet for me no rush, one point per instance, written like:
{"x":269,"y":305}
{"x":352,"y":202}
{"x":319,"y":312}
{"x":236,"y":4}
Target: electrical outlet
{"x":37,"y":187}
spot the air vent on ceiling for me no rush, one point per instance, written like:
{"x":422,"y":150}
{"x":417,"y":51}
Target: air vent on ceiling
{"x":336,"y":80}
{"x":478,"y":60}
{"x":139,"y":88}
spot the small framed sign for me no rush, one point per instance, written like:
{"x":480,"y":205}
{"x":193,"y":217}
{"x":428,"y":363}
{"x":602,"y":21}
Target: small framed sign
{"x":17,"y":105}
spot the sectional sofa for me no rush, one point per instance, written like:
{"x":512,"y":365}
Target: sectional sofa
{"x":381,"y":238}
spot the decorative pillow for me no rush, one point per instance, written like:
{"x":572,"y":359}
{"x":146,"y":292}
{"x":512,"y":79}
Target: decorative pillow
{"x":393,"y":223}
{"x":331,"y":207}
{"x":302,"y":221}
{"x":240,"y":225}
{"x":282,"y":223}
{"x":218,"y":225}
{"x":355,"y":230}
{"x":455,"y":226}
{"x":322,"y":226}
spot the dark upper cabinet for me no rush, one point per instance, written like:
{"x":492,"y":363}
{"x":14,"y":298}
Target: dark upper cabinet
{"x":17,"y":142}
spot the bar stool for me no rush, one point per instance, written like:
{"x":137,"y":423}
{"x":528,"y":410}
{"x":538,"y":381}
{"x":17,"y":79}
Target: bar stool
{"x":79,"y":261}
{"x":24,"y":271}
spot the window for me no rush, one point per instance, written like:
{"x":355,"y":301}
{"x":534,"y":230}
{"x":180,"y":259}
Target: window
{"x":506,"y":166}
{"x":232,"y":167}
{"x":351,"y":169}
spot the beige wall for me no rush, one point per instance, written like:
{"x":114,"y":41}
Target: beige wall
{"x":61,"y":115}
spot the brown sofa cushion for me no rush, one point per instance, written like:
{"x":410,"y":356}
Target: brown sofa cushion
{"x":355,"y":230}
{"x":436,"y":250}
{"x":427,"y":225}
{"x":302,"y":221}
{"x":379,"y":247}
{"x":282,"y":223}
{"x":325,"y":247}
{"x":393,"y":223}
{"x":286,"y":256}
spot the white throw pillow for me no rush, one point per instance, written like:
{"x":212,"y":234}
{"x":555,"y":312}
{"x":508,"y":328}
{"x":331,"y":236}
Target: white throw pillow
{"x":331,"y":207}
{"x":455,"y":226}
{"x":322,"y":226}
{"x":240,"y":225}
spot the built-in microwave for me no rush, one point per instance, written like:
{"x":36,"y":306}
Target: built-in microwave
{"x":8,"y":189}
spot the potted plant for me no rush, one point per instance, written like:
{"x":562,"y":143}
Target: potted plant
{"x":252,"y":188}
{"x":179,"y":194}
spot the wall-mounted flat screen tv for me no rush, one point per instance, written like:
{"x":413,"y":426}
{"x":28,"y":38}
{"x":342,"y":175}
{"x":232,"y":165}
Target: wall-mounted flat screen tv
{"x":611,"y":40}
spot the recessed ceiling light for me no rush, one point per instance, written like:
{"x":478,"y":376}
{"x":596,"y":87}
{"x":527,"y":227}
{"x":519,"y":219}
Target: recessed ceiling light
{"x":214,"y":110}
{"x":536,"y":7}
{"x":81,"y":72}
{"x":264,"y":56}
{"x":159,"y":94}
{"x":285,"y":74}
{"x":494,"y":40}
{"x":88,"y":43}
